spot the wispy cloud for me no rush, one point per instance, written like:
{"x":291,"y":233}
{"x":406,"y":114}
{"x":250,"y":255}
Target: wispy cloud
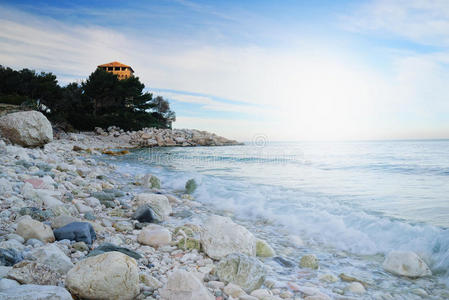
{"x":420,"y":21}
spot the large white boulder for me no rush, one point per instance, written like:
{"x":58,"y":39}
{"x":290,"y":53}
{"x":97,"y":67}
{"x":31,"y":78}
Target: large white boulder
{"x":26,"y":128}
{"x":36,"y":292}
{"x":32,"y":229}
{"x":186,"y":286}
{"x":406,"y":263}
{"x":52,"y":256}
{"x":158,"y":203}
{"x":112,"y":275}
{"x":220,"y":236}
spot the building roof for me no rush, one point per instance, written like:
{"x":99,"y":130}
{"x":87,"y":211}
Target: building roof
{"x":115,"y":64}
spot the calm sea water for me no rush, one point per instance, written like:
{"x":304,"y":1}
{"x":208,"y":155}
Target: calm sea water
{"x":364,"y":198}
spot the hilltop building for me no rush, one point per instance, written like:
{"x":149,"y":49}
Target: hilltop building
{"x":117,"y":68}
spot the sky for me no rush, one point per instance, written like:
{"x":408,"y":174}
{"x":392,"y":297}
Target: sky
{"x":273,"y":70}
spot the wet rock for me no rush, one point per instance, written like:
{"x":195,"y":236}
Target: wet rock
{"x":52,"y":256}
{"x":158,"y":203}
{"x":154,"y":235}
{"x":191,"y":186}
{"x":246,"y":271}
{"x":36,"y":213}
{"x":263,"y":249}
{"x":144,"y":214}
{"x":221,"y":236}
{"x":284,"y":262}
{"x":309,"y":261}
{"x":185,"y":285}
{"x":406,"y":263}
{"x":108,"y":247}
{"x":9,"y":257}
{"x":355,"y":288}
{"x":76,"y":231}
{"x":36,"y":292}
{"x":31,"y":272}
{"x":111,"y":275}
{"x":32,"y":229}
{"x":27,"y":128}
{"x":189,"y":244}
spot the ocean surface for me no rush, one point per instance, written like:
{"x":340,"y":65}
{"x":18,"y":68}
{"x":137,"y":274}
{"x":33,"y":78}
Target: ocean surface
{"x":350,"y":202}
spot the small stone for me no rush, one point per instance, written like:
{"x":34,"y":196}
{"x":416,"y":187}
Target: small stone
{"x":158,"y":203}
{"x":186,"y":286}
{"x":6,"y":283}
{"x":406,"y":263}
{"x":9,"y":257}
{"x":29,"y":228}
{"x":150,"y":281}
{"x":36,"y":292}
{"x":246,"y":271}
{"x":154,"y":235}
{"x":27,"y":272}
{"x":52,"y":256}
{"x":34,"y":243}
{"x":191,"y":186}
{"x":329,"y":278}
{"x":80,"y":246}
{"x":108,"y":247}
{"x":309,"y":261}
{"x":263,"y":249}
{"x":76,"y":231}
{"x":233,"y":290}
{"x":145,"y":214}
{"x":112,"y":275}
{"x":355,"y":288}
{"x":36,"y":213}
{"x":123,"y":226}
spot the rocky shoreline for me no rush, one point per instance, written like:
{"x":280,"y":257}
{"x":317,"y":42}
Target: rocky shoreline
{"x":71,"y":226}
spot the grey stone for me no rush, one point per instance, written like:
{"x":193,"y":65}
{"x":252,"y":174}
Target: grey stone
{"x":108,"y":247}
{"x":9,"y":257}
{"x":76,"y":231}
{"x":36,"y":292}
{"x":145,"y":214}
{"x":245,"y":271}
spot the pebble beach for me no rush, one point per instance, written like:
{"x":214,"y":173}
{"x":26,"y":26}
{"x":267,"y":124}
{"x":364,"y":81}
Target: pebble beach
{"x":74,"y":227}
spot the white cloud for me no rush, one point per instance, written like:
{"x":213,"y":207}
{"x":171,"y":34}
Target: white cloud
{"x":421,"y":21}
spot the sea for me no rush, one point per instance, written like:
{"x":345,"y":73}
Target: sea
{"x":350,"y":203}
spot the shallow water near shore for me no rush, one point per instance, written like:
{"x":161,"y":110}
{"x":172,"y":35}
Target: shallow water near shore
{"x":350,"y":202}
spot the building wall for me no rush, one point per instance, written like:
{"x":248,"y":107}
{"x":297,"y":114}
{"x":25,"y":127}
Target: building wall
{"x":121,"y":74}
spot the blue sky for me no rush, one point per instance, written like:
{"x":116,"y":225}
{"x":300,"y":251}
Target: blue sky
{"x":289,"y":70}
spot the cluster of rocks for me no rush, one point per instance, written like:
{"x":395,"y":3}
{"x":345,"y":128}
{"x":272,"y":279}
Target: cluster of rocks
{"x":72,"y":227}
{"x":153,"y":137}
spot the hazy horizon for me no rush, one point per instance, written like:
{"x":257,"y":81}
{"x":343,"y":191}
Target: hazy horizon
{"x":327,"y":70}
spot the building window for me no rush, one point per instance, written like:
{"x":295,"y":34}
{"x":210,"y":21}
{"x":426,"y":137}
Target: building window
{"x":117,"y":68}
{"x":123,"y":68}
{"x":110,"y":68}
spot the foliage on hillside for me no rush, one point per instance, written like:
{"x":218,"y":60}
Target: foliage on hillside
{"x":101,"y":100}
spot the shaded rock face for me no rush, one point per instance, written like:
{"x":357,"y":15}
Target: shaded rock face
{"x":9,"y":257}
{"x":144,"y":214}
{"x":185,"y":285}
{"x":112,"y":275}
{"x":36,"y":292}
{"x":27,"y":128}
{"x":76,"y":231}
{"x":406,"y":263}
{"x":108,"y":247}
{"x":221,"y":236}
{"x":158,"y":203}
{"x":245,"y":271}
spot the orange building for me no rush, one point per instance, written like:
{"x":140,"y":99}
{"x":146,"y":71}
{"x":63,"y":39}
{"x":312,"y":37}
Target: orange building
{"x":122,"y":71}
